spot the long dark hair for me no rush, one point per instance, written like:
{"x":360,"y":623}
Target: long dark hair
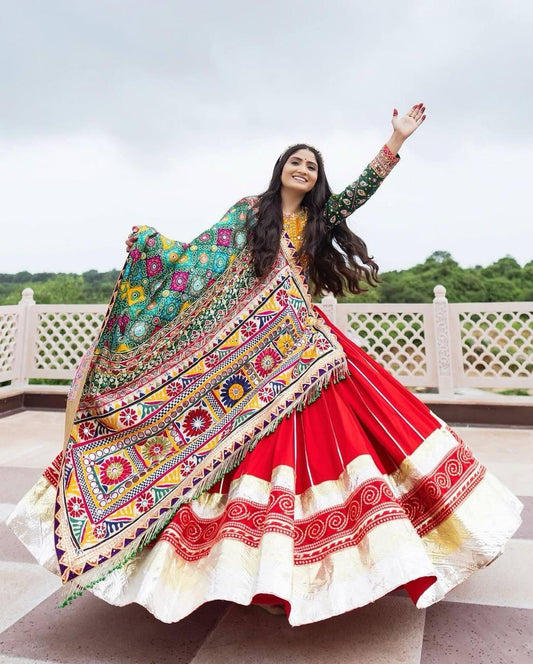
{"x":331,"y":253}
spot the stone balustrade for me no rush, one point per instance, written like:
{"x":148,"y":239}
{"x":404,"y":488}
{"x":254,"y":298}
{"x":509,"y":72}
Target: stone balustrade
{"x":440,"y":346}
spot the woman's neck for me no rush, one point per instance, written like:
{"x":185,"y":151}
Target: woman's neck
{"x":291,"y":202}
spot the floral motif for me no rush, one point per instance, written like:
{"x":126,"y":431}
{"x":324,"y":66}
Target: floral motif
{"x":153,"y":266}
{"x":248,"y":328}
{"x":179,"y":281}
{"x":128,"y":416}
{"x":224,"y":237}
{"x":139,"y":330}
{"x":220,"y":261}
{"x":282,"y":297}
{"x":266,"y":394}
{"x":100,"y":531}
{"x":266,"y":361}
{"x":322,"y":343}
{"x":135,"y":254}
{"x":285,"y":343}
{"x":234,"y":389}
{"x":115,"y":470}
{"x":197,"y":421}
{"x":198,"y":284}
{"x":144,"y":502}
{"x":75,"y":507}
{"x":211,"y":360}
{"x":174,"y":388}
{"x":188,"y":466}
{"x":157,"y":447}
{"x":87,"y":430}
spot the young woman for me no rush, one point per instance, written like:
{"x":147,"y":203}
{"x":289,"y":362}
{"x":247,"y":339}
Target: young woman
{"x":225,"y":440}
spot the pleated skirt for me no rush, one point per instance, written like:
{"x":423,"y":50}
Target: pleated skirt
{"x":361,"y":493}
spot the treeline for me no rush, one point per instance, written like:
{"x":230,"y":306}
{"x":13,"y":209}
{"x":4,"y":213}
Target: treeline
{"x":502,"y":281}
{"x":91,"y":287}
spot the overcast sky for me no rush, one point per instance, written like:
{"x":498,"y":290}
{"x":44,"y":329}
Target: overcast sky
{"x":126,"y":112}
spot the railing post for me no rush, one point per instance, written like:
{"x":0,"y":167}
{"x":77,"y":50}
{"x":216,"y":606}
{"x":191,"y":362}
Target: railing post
{"x":329,"y":305}
{"x":22,"y":342}
{"x":443,"y":341}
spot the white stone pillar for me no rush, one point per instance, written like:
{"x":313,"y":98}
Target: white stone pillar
{"x":329,"y":306}
{"x":443,"y":341}
{"x":23,"y":339}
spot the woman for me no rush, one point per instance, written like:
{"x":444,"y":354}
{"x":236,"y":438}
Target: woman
{"x":204,"y":457}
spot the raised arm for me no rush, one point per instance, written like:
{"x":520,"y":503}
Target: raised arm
{"x":340,"y":206}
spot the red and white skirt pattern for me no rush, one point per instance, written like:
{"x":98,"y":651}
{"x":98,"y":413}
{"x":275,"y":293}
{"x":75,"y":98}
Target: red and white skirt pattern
{"x":360,"y":493}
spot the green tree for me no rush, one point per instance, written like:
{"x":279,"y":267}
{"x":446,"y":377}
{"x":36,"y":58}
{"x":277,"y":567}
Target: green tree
{"x":62,"y":289}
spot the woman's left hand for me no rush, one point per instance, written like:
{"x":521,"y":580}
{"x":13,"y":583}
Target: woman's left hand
{"x":406,"y":125}
{"x":132,"y":238}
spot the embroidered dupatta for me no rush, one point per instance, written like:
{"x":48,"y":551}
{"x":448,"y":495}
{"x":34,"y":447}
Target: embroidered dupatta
{"x":196,"y":361}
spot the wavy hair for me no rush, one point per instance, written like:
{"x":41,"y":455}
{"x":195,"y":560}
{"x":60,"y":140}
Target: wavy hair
{"x":337,"y":260}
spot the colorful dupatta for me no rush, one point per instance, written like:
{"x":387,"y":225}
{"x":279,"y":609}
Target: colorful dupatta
{"x":196,"y":361}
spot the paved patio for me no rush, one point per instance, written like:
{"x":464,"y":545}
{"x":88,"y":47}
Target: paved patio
{"x":488,"y":619}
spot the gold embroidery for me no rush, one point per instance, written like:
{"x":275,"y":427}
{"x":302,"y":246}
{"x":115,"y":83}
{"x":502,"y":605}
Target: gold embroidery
{"x":294,"y":225}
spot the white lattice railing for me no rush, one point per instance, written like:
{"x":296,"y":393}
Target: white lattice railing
{"x":9,"y":323}
{"x":45,"y":340}
{"x":444,"y":346}
{"x":439,"y":345}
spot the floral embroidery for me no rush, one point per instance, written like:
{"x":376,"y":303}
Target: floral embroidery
{"x":115,"y":469}
{"x":100,"y":531}
{"x":266,"y":394}
{"x":282,"y":297}
{"x":234,"y":389}
{"x":179,"y":281}
{"x":188,"y":466}
{"x":158,"y":447}
{"x":322,"y":344}
{"x":87,"y":430}
{"x":266,"y":361}
{"x":285,"y":343}
{"x":197,"y":421}
{"x":249,"y":328}
{"x":75,"y":507}
{"x":174,"y":388}
{"x":211,"y":360}
{"x":144,"y":502}
{"x":128,"y":416}
{"x":340,"y":206}
{"x":153,"y":266}
{"x":224,"y":237}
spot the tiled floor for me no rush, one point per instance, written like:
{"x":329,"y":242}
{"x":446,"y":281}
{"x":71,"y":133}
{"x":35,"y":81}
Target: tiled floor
{"x":488,"y":619}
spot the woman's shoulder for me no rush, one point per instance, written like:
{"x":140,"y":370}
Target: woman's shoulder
{"x":249,"y":202}
{"x":240,"y":210}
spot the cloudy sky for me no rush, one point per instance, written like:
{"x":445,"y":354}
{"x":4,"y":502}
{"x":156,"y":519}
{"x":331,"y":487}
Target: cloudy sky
{"x":121,"y":112}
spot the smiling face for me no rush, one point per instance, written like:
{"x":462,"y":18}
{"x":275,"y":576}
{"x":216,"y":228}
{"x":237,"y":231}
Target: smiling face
{"x":300,"y":172}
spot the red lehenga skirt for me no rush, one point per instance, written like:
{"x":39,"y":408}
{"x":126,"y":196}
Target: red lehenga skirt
{"x":360,"y":493}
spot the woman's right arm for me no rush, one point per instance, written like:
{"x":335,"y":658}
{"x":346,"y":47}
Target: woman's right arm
{"x":340,"y":206}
